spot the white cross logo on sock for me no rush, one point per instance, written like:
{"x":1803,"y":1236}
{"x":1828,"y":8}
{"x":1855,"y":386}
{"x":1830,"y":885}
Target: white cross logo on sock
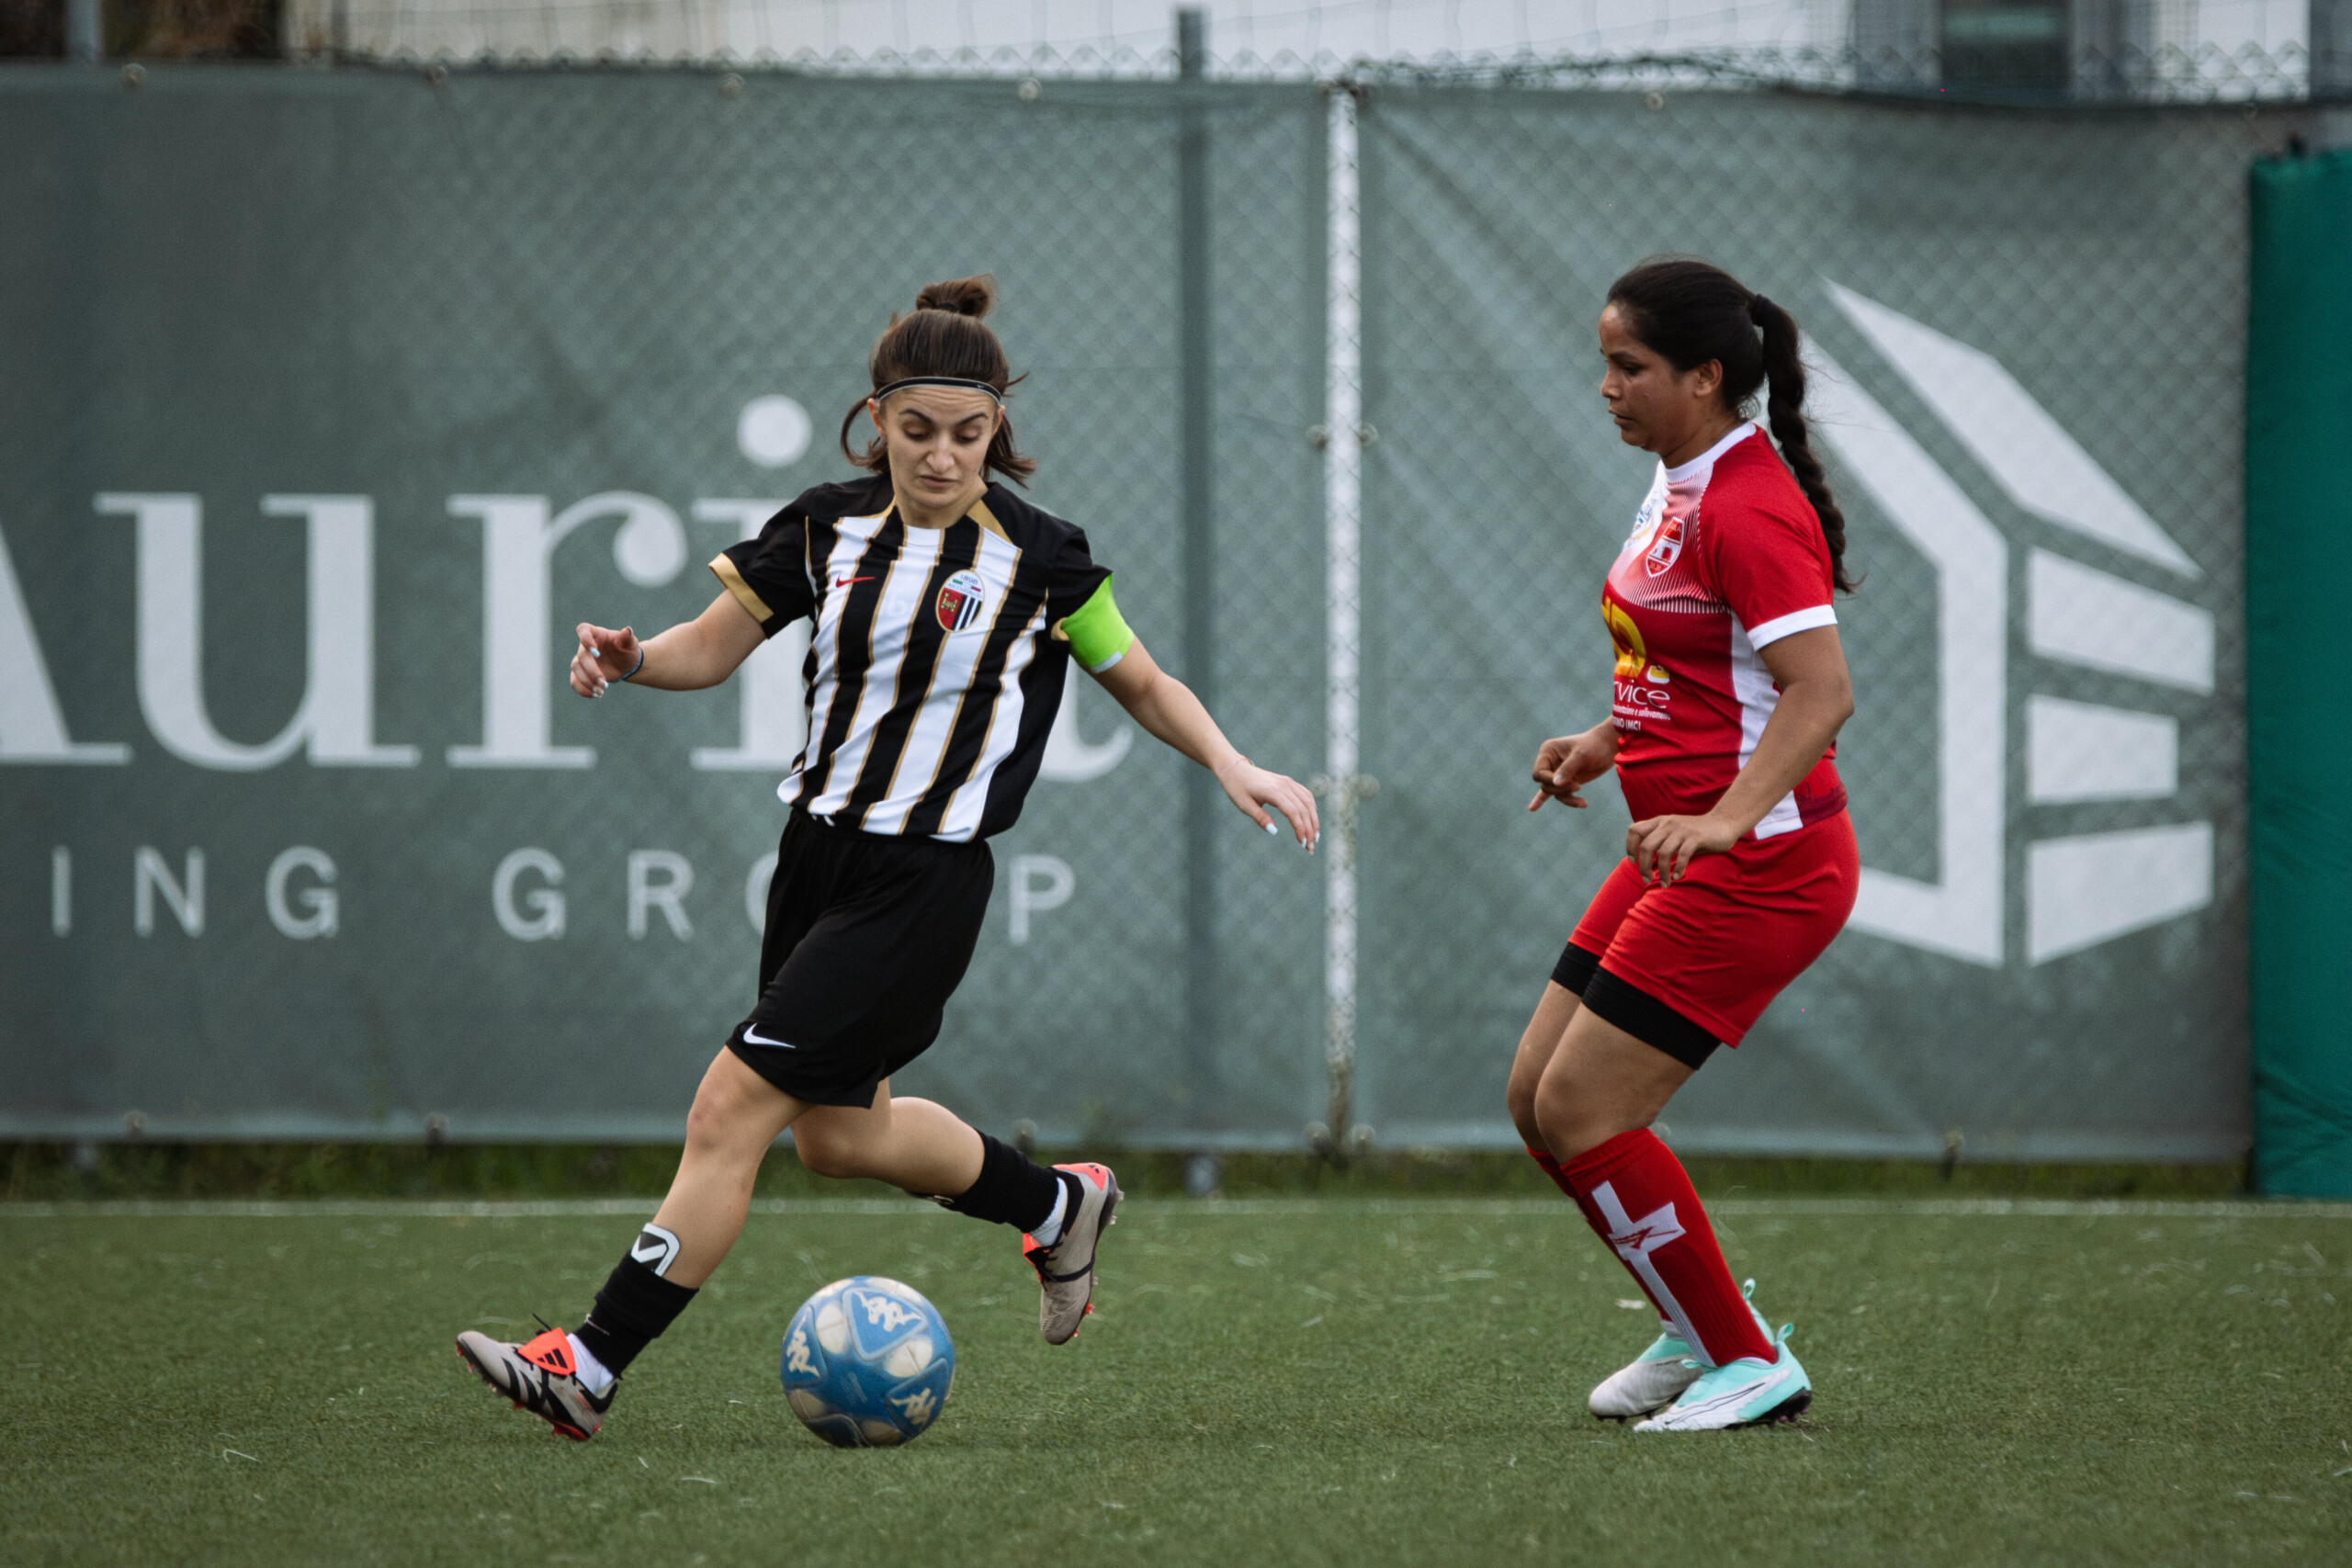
{"x":1636,"y":1238}
{"x":1634,"y":1241}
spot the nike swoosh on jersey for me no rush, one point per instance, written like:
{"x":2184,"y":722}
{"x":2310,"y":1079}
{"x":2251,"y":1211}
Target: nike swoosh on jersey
{"x":753,"y":1037}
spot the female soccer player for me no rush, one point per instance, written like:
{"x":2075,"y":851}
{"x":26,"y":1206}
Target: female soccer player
{"x":1740,"y":865}
{"x":945,"y":609}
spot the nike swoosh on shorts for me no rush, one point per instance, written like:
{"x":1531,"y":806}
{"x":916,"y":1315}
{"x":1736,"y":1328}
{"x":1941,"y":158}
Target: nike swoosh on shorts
{"x":751,"y":1036}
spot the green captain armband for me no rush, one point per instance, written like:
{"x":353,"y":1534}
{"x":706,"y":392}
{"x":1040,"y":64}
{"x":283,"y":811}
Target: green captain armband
{"x":1097,"y":635}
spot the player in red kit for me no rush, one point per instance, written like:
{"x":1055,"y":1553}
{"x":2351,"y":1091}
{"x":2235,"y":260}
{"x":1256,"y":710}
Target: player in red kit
{"x":1740,"y":865}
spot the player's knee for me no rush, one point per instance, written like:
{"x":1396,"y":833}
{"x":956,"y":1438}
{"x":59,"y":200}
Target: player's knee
{"x":1563,"y":1116}
{"x":1519,"y":1096}
{"x":827,"y":1150}
{"x":719,"y":1118}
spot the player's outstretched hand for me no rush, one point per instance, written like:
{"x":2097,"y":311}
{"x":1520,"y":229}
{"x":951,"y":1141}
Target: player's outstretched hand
{"x":1663,"y":848}
{"x":1255,"y":790}
{"x":604,"y":657}
{"x":1565,"y":764}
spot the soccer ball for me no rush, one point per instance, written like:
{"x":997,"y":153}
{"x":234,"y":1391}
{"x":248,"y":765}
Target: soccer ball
{"x":868,"y":1363}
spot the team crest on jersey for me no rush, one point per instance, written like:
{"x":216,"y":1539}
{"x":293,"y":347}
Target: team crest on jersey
{"x":961,"y":601}
{"x":1644,"y":520}
{"x":1666,"y":550}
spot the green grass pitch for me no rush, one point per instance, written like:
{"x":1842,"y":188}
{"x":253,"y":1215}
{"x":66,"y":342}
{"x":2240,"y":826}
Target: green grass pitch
{"x":1318,"y":1381}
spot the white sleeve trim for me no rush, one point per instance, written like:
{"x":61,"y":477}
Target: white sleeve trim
{"x":1099,"y":668}
{"x":1789,"y":625}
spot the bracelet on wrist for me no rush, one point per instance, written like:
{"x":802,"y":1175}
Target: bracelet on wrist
{"x":640,"y":662}
{"x":1219,"y":774}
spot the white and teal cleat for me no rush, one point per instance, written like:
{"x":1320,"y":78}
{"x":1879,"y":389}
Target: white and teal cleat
{"x":1745,"y":1393}
{"x":1655,"y":1377}
{"x":1651,"y":1381}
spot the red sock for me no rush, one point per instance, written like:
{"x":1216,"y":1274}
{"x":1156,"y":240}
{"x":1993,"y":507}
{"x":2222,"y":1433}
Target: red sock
{"x":1637,"y":1198}
{"x":1551,"y":1169}
{"x":1591,"y":1215}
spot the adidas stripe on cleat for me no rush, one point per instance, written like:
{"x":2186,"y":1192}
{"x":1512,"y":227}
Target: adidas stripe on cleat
{"x":1066,"y":1270}
{"x":539,"y":1377}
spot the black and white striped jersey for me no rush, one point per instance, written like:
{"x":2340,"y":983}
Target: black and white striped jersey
{"x":934,"y":671}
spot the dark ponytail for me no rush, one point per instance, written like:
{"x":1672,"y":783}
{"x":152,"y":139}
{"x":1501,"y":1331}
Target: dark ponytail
{"x":943,"y":335}
{"x":1691,"y":311}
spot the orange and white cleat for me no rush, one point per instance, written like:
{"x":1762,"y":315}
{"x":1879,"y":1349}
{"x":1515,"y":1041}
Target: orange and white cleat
{"x":541,"y":1377}
{"x":1066,"y":1270}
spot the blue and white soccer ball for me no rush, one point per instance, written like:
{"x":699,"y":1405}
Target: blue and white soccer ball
{"x":868,"y":1363}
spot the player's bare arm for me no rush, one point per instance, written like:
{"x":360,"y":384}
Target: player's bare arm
{"x":1169,"y":713}
{"x":1817,"y":699}
{"x":688,"y":657}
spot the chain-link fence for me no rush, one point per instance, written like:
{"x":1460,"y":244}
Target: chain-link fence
{"x":596,"y":299}
{"x":2028,"y":332}
{"x":443,"y":297}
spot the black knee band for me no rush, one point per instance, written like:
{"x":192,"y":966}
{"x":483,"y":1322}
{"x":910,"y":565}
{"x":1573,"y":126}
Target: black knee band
{"x":1013,"y":1190}
{"x":1574,"y":971}
{"x":1648,"y":1020}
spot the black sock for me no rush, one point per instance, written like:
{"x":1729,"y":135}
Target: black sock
{"x":1013,"y":1190}
{"x":632,"y":1310}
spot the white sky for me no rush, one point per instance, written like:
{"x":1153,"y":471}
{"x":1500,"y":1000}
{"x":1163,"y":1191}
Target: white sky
{"x":1307,"y":29}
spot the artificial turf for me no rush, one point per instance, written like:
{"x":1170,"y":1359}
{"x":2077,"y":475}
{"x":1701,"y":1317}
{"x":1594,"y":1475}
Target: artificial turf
{"x":1319,"y":1382}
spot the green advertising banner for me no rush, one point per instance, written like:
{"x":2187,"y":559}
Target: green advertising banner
{"x":2025,"y":334}
{"x":331,"y":400}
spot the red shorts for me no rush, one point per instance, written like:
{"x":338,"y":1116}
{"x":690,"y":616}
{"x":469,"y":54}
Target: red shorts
{"x":1717,"y":946}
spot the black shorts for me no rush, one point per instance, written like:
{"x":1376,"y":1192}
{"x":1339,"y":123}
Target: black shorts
{"x":1632,"y":1009}
{"x":867,"y":939}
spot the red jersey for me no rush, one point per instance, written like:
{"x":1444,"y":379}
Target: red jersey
{"x":1726,"y":556}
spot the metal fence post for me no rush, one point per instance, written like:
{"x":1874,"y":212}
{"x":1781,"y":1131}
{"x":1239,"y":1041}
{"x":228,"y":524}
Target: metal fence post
{"x":84,"y":31}
{"x":1342,"y":513}
{"x":1204,"y":800}
{"x":2330,"y":32}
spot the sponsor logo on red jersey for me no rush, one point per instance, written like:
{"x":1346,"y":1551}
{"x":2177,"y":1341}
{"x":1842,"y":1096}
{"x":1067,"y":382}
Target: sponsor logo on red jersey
{"x":1644,"y":520}
{"x":1631,"y":652}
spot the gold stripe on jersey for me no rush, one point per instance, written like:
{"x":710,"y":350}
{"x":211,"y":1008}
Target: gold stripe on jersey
{"x":969,"y":802}
{"x":733,"y":581}
{"x":964,"y":671}
{"x":987,"y":519}
{"x":964,"y":759}
{"x":831,"y":726}
{"x":895,"y":731}
{"x":844,"y":755}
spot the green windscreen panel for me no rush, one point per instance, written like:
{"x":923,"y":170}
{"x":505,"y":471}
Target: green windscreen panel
{"x":2299,"y":727}
{"x":331,"y":402}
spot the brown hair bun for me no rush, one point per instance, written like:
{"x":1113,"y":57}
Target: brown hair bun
{"x":964,"y":296}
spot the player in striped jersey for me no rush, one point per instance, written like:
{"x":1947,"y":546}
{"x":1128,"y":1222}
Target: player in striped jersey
{"x":946,"y":610}
{"x":1740,"y":867}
